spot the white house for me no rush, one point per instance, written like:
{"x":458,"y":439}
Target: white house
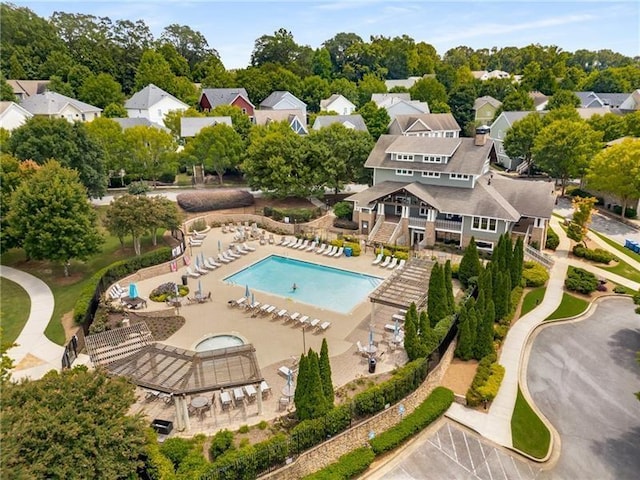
{"x":191,"y":126}
{"x":352,"y":122}
{"x":55,"y":105}
{"x":399,"y":104}
{"x":153,"y":103}
{"x":280,"y":100}
{"x":12,"y":115}
{"x":296,"y":119}
{"x":337,"y":103}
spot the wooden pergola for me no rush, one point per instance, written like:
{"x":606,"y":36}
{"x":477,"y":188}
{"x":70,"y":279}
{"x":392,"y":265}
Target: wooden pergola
{"x":407,"y":285}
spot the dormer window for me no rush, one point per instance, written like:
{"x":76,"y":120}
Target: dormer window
{"x":458,"y":176}
{"x":404,"y":173}
{"x":434,"y":159}
{"x":403,"y":157}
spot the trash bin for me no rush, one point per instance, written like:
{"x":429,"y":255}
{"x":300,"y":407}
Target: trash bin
{"x":185,"y":279}
{"x":163,"y":427}
{"x":372,"y":365}
{"x":348,"y":251}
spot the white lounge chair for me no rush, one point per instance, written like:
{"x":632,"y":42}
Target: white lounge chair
{"x":331,"y":252}
{"x":386,"y":262}
{"x":208,"y":265}
{"x":255,"y":306}
{"x":230,"y":254}
{"x":312,"y":247}
{"x":294,"y":315}
{"x":296,"y":244}
{"x":324,"y":325}
{"x":239,"y":302}
{"x":213,"y":262}
{"x":241,"y":250}
{"x":398,"y":316}
{"x":321,"y":249}
{"x":390,"y":327}
{"x":270,"y":310}
{"x":378,"y":259}
{"x":393,"y":263}
{"x":191,"y":273}
{"x":339,"y":252}
{"x":285,"y":371}
{"x":314,"y":323}
{"x":197,"y":235}
{"x":281,"y":314}
{"x":401,"y":264}
{"x":361,"y":349}
{"x":195,"y":243}
{"x":303,"y":320}
{"x":264,"y":308}
{"x":223,"y":259}
{"x":265,"y":389}
{"x":285,"y":242}
{"x":248,"y":247}
{"x":200,"y":270}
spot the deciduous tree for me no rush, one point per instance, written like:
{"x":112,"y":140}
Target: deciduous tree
{"x":582,"y":209}
{"x":520,"y":138}
{"x":151,"y":151}
{"x":376,"y":119}
{"x":218,"y":147}
{"x":101,"y":90}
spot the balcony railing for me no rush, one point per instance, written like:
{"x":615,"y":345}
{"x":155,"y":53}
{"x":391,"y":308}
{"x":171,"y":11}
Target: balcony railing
{"x":417,"y":222}
{"x":449,"y":225}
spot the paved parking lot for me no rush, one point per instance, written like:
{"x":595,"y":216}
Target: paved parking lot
{"x":453,"y":452}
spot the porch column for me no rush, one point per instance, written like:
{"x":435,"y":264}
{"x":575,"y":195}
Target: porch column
{"x":380,"y":207}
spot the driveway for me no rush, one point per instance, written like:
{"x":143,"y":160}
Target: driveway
{"x":582,"y":376}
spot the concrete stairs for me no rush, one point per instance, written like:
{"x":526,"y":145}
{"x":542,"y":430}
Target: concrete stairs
{"x":385,"y":232}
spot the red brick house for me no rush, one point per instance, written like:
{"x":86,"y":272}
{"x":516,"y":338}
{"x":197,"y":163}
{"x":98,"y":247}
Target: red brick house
{"x":236,"y":97}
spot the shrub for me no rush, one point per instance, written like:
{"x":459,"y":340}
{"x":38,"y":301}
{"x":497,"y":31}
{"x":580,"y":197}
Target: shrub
{"x":220,"y":443}
{"x":355,"y":248}
{"x":534,"y":274}
{"x":167,"y":177}
{"x":166,"y":290}
{"x":176,"y":449}
{"x":263,"y":425}
{"x":619,"y":289}
{"x":243,"y":429}
{"x":401,"y":255}
{"x":345,"y":224}
{"x":601,"y":287}
{"x":204,"y":201}
{"x":598,"y":255}
{"x":629,"y":212}
{"x":489,"y":390}
{"x":343,"y":210}
{"x":428,"y":411}
{"x":579,"y":280}
{"x":553,"y":240}
{"x":483,"y":372}
{"x":198,"y":225}
{"x":347,"y":466}
{"x":455,"y":268}
{"x":295,"y":215}
{"x":138,"y":188}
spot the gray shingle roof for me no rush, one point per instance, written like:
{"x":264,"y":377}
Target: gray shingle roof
{"x":277,"y":96}
{"x":148,"y":97}
{"x":386,"y":99}
{"x":479,"y":102}
{"x":356,"y":121}
{"x":433,"y":121}
{"x":532,"y":198}
{"x":592,"y":99}
{"x":51,"y":103}
{"x":224,"y":96}
{"x":402,"y":82}
{"x":136,"y":122}
{"x":190,"y":126}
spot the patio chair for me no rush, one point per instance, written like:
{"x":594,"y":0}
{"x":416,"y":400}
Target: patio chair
{"x":253,"y":306}
{"x":312,"y":247}
{"x":331,"y":252}
{"x":284,"y":241}
{"x":321,"y":249}
{"x":191,"y":273}
{"x":296,"y":244}
{"x":283,"y":403}
{"x":224,"y":228}
{"x":324,"y":325}
{"x":265,"y":389}
{"x":401,"y":264}
{"x":285,"y":371}
{"x":200,"y":270}
{"x":249,"y":248}
{"x":207,"y":264}
{"x":397,"y":316}
{"x":271,"y":239}
{"x":197,"y":235}
{"x":195,"y":243}
{"x":241,"y":250}
{"x":224,"y":259}
{"x":263,"y":308}
{"x":270,"y":310}
{"x":238,"y":396}
{"x":294,"y":315}
{"x":303,"y":320}
{"x":339,"y":252}
{"x":281,"y":314}
{"x":303,"y":245}
{"x":314,"y":323}
{"x":250,"y":392}
{"x":229,"y":254}
{"x":386,"y":262}
{"x":378,"y":259}
{"x":393,"y":263}
{"x":237,"y":303}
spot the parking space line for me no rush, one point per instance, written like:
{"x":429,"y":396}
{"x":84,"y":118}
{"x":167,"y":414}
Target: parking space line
{"x":464,"y":435}
{"x":513,"y":462}
{"x":453,"y":444}
{"x":504,"y":473}
{"x":486,"y":460}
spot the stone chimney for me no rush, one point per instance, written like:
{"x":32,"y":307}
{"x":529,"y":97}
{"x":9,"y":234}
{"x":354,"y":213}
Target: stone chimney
{"x":482,"y":133}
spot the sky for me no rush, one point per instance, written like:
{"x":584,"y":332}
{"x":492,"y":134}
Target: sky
{"x":232,"y":26}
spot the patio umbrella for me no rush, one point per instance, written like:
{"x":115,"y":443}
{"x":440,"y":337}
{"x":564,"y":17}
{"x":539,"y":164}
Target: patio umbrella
{"x":197,"y":262}
{"x":246,"y":291}
{"x":133,"y":290}
{"x":289,"y":389}
{"x":177,"y":290}
{"x":252,"y":299}
{"x":202,"y":258}
{"x":219,"y":246}
{"x":370,"y":336}
{"x":396,"y":328}
{"x":199,"y":287}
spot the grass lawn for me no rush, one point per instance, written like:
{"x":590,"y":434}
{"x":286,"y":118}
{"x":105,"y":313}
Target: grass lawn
{"x":530,"y":435}
{"x":15,"y":305}
{"x":532,"y":299}
{"x":569,"y":307}
{"x":624,"y":270}
{"x":617,"y":246}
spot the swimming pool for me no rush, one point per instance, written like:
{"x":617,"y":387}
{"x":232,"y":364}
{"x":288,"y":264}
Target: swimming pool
{"x":215,"y":342}
{"x":324,"y":287}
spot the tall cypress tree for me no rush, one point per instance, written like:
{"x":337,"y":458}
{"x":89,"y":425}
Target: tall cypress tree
{"x":473,"y":321}
{"x":426,"y":334}
{"x":470,"y":263}
{"x":484,"y":342}
{"x":325,"y":373}
{"x":464,"y":349}
{"x":516,"y":263}
{"x":448,"y":283}
{"x":437,"y":302}
{"x":300,"y":396}
{"x":317,"y":403}
{"x":411,"y":339}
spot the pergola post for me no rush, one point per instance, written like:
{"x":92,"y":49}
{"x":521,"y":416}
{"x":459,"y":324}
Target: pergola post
{"x":259,"y":398}
{"x":182,"y":413}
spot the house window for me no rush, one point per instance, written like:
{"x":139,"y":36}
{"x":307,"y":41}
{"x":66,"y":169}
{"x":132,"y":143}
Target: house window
{"x":458,"y":176}
{"x":402,"y":157}
{"x":431,"y":174}
{"x":432,"y":159}
{"x":424,"y":209}
{"x":485,"y":224}
{"x":448,"y":134}
{"x":244,"y":110}
{"x":403,"y":172}
{"x":484,"y":245}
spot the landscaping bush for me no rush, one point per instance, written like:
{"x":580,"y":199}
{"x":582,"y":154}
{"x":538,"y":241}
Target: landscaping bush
{"x":581,"y":193}
{"x":483,"y":372}
{"x":455,"y":268}
{"x":176,"y":449}
{"x":629,"y":212}
{"x":198,"y":225}
{"x":243,"y":429}
{"x":345,"y":224}
{"x":205,"y":201}
{"x":431,"y":409}
{"x":220,"y":443}
{"x":167,"y":177}
{"x":621,"y":289}
{"x":138,"y":188}
{"x":295,"y":215}
{"x":579,"y":280}
{"x":343,"y":210}
{"x":347,"y":466}
{"x":489,"y":390}
{"x":553,"y":240}
{"x":534,"y":274}
{"x":598,"y":255}
{"x":166,"y":290}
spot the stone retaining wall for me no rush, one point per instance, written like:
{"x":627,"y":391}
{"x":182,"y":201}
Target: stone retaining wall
{"x":357,"y":436}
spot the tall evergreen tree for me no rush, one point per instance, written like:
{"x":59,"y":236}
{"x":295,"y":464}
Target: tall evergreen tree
{"x":317,"y":403}
{"x":427,"y":336}
{"x":464,"y":349}
{"x":437,"y":303}
{"x":470,"y":263}
{"x":300,"y":396}
{"x":325,"y":373}
{"x":448,"y":283}
{"x":411,"y":339}
{"x":473,"y":321}
{"x":484,"y":340}
{"x":516,"y":263}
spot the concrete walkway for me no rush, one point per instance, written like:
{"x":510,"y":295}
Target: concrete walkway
{"x":34,"y":354}
{"x":496,"y":423}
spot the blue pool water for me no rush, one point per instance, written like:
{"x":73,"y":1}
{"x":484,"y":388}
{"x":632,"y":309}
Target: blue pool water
{"x":324,"y":287}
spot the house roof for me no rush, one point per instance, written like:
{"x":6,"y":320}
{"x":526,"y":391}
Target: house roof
{"x":429,"y":121}
{"x":466,"y":157}
{"x":327,"y":102}
{"x":224,"y":96}
{"x":4,"y":106}
{"x":512,"y":117}
{"x":264,"y":117}
{"x":277,"y":96}
{"x":190,"y":126}
{"x":148,"y":97}
{"x":401,"y":82}
{"x":587,"y":113}
{"x":27,"y":88}
{"x":531,"y":198}
{"x":350,"y":121}
{"x":136,"y":122}
{"x":51,"y":103}
{"x":388,"y":99}
{"x":538,"y":98}
{"x":594,"y":100}
{"x":417,"y":106}
{"x":479,"y":102}
{"x":478,"y":74}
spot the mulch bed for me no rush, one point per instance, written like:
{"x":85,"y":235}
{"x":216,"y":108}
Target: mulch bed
{"x":161,"y":324}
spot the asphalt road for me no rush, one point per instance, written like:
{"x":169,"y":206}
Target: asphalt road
{"x":583,"y":376}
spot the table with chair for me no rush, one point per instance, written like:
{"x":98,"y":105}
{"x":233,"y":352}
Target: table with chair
{"x":200,"y":406}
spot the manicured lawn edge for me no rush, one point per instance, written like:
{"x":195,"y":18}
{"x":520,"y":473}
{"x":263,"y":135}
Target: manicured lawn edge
{"x":532,"y":299}
{"x":15,"y":308}
{"x":569,"y":307}
{"x":528,"y":432}
{"x":347,"y":466}
{"x":617,"y":246}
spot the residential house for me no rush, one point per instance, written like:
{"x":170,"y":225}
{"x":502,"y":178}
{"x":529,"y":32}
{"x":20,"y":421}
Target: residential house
{"x":337,"y":103}
{"x":280,"y":100}
{"x":485,"y":75}
{"x":153,"y":103}
{"x":235,"y":97}
{"x":587,"y":113}
{"x":26,"y":88}
{"x":296,"y":119}
{"x":540,"y":100}
{"x":126,"y":123}
{"x":486,"y":108}
{"x":632,"y":102}
{"x":354,"y":122}
{"x":55,"y":105}
{"x":598,"y":100}
{"x":405,"y":82}
{"x":399,"y":104}
{"x":13,"y":115}
{"x":425,"y":125}
{"x":430,"y":190}
{"x":499,"y":129}
{"x":191,"y":126}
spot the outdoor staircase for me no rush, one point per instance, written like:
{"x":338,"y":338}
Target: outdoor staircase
{"x":522,"y":168}
{"x":385,"y":232}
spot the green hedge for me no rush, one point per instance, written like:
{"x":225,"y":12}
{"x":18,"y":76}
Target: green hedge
{"x":347,"y":466}
{"x":483,"y":372}
{"x":112,"y":273}
{"x":553,"y":240}
{"x":434,"y":406}
{"x":534,"y":274}
{"x":579,"y":280}
{"x":296,"y":215}
{"x":597,"y":255}
{"x":489,"y":390}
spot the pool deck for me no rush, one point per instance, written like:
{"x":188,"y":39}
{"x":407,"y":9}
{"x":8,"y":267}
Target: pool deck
{"x":277,"y":343}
